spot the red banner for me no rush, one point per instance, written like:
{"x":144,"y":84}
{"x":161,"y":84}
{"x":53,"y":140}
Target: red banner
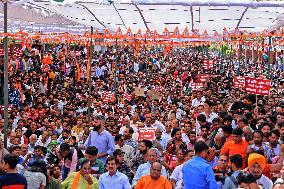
{"x":108,"y":97}
{"x":257,"y":86}
{"x":10,"y":106}
{"x":146,"y":133}
{"x":208,"y":64}
{"x":202,"y":78}
{"x":239,"y":82}
{"x":196,"y":86}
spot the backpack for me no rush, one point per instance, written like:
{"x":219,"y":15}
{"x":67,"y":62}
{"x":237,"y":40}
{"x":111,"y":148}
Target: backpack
{"x":234,"y":180}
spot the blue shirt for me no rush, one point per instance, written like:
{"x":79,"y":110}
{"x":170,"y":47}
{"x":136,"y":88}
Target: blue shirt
{"x":99,"y":72}
{"x":13,"y":180}
{"x":144,"y":169}
{"x":198,"y":174}
{"x":103,"y":141}
{"x":117,"y":181}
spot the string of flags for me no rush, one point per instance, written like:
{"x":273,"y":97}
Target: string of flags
{"x":107,"y":34}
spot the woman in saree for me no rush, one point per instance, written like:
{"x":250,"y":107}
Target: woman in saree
{"x":81,"y":179}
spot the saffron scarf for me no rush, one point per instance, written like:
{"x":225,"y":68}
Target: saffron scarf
{"x":76,"y":181}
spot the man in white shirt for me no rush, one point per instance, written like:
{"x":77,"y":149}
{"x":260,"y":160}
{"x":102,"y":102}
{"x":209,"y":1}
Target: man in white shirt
{"x":199,"y":100}
{"x":43,"y":140}
{"x":127,"y":149}
{"x":208,"y":112}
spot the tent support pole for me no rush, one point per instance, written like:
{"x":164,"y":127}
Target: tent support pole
{"x":192,"y":20}
{"x":90,"y":77}
{"x":6,"y":100}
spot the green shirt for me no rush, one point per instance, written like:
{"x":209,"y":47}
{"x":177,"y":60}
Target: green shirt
{"x":54,"y":184}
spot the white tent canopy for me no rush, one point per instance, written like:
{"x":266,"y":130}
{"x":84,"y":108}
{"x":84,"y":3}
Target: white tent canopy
{"x":212,"y":15}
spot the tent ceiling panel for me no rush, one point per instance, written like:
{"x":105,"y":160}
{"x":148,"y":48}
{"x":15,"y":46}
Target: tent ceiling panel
{"x":216,"y":18}
{"x":212,"y":15}
{"x":75,"y":12}
{"x":168,"y":16}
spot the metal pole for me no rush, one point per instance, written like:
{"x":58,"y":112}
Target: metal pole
{"x":252,"y":55}
{"x":245,"y":54}
{"x":6,"y":100}
{"x":231,"y":62}
{"x":269,"y":42}
{"x":222,"y":53}
{"x":146,"y":60}
{"x":90,"y":77}
{"x":115,"y":70}
{"x":207,"y":51}
{"x":240,"y":57}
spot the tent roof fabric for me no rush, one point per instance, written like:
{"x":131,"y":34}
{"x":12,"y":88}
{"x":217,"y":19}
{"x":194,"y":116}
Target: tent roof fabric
{"x":253,"y":16}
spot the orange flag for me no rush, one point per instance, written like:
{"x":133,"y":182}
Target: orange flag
{"x":148,"y":34}
{"x":156,"y":35}
{"x":225,"y":33}
{"x":47,"y":60}
{"x":118,"y":34}
{"x":176,"y":33}
{"x":88,"y":62}
{"x":78,"y":71}
{"x":205,"y":34}
{"x":129,"y":34}
{"x":185,"y":33}
{"x":139,"y":34}
{"x":107,"y":34}
{"x":166,"y":34}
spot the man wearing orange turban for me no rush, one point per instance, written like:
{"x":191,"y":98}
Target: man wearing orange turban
{"x":256,"y":164}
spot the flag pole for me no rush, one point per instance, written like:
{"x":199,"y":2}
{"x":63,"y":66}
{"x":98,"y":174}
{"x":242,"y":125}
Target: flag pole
{"x":269,"y":66}
{"x":90,"y":78}
{"x":240,"y":57}
{"x":115,"y":68}
{"x":6,"y":100}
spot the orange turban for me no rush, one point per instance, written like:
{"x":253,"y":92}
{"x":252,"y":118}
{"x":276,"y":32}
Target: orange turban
{"x":256,"y":158}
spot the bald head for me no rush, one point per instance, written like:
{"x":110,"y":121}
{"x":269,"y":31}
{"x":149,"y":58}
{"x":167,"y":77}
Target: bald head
{"x":33,"y":139}
{"x":155,"y":171}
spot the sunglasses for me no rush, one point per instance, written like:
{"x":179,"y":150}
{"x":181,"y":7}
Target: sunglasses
{"x":223,"y":161}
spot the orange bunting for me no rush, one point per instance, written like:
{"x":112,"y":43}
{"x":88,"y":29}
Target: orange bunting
{"x":144,"y":38}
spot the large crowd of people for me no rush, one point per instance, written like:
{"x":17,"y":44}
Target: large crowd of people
{"x":71,"y":130}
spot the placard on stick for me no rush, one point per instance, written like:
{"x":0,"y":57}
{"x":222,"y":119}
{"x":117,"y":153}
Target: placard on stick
{"x":196,"y":86}
{"x":257,"y":86}
{"x":146,"y":133}
{"x":139,"y":91}
{"x":153,"y":94}
{"x":239,"y":82}
{"x":202,"y":78}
